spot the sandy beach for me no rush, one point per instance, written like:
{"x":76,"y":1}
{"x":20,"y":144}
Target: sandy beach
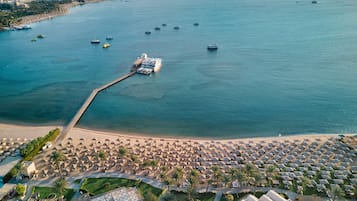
{"x":30,"y":132}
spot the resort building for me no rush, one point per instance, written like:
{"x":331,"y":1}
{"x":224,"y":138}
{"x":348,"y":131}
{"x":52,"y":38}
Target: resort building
{"x":29,"y":168}
{"x":270,"y":196}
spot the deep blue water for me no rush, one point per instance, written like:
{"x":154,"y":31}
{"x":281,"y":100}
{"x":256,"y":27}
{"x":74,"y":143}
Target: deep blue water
{"x":282,"y":67}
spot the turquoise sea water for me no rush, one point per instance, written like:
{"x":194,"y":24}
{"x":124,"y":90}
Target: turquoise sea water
{"x":282,"y":67}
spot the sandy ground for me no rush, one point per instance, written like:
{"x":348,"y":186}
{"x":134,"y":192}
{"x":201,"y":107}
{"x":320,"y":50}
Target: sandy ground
{"x":30,"y":132}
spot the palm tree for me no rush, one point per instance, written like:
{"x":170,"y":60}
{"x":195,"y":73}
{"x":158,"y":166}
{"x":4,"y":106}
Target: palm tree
{"x":122,"y":151}
{"x":194,"y":178}
{"x":250,"y":169}
{"x":60,"y":185}
{"x":19,"y":168}
{"x":226,"y":179}
{"x":258,"y":178}
{"x":217,"y":175}
{"x":242,"y":178}
{"x":209,"y":182}
{"x":178,"y":176}
{"x":57,"y":157}
{"x":102,"y":155}
{"x":271,"y":173}
{"x":337,"y":192}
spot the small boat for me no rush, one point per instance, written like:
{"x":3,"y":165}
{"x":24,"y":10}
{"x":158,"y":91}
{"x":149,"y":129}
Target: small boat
{"x":196,"y":24}
{"x":314,"y":2}
{"x":164,"y":25}
{"x":18,"y":27}
{"x":106,"y":45}
{"x":95,"y":41}
{"x":40,"y":36}
{"x":33,"y":40}
{"x":147,"y":32}
{"x":176,"y":27}
{"x":109,"y":38}
{"x":26,"y":27}
{"x":157,"y":28}
{"x":212,"y":47}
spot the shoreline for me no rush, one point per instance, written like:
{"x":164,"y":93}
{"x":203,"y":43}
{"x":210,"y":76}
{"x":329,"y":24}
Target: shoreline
{"x":62,"y":10}
{"x":33,"y":131}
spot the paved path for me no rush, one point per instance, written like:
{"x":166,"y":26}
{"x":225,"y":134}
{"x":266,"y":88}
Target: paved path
{"x":218,"y":196}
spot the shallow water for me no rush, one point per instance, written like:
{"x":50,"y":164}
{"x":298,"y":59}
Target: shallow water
{"x":282,"y":67}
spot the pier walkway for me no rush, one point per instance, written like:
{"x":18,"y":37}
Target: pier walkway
{"x":87,"y":103}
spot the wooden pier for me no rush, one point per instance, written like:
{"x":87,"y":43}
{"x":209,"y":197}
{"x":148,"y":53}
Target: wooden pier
{"x":92,"y":96}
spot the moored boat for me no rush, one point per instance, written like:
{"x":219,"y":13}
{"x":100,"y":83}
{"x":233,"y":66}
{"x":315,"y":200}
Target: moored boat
{"x":164,"y":25}
{"x":157,"y":28}
{"x":109,"y":38}
{"x":95,"y":41}
{"x":212,"y":47}
{"x":106,"y":45}
{"x":176,"y":27}
{"x":147,"y":32}
{"x":196,"y":24}
{"x":40,"y":36}
{"x":26,"y":27}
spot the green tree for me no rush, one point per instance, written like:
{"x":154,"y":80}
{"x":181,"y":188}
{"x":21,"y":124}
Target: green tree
{"x":122,"y":152}
{"x":193,"y":180}
{"x":258,"y":178}
{"x":337,"y":192}
{"x":102,"y":156}
{"x":60,"y":185}
{"x":57,"y":157}
{"x":229,"y":197}
{"x":217,"y":176}
{"x":19,"y":169}
{"x":20,"y":189}
{"x":150,"y":197}
{"x":134,"y":158}
{"x":226,"y":179}
{"x":242,"y":178}
{"x":178,"y":176}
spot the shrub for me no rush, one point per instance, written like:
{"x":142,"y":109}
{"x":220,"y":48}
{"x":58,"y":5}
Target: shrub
{"x":20,"y":189}
{"x":31,"y":149}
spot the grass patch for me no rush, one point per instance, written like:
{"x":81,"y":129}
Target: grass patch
{"x":77,"y":181}
{"x":96,"y":186}
{"x":46,"y":191}
{"x":181,"y":196}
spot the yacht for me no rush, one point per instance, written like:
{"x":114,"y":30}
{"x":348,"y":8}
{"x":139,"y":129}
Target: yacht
{"x":106,"y":45}
{"x":40,"y":36}
{"x":164,"y":25}
{"x":212,"y":47}
{"x":157,"y":28}
{"x":176,"y":27}
{"x":26,"y":27}
{"x":95,"y":41}
{"x":196,"y":24}
{"x":147,"y":32}
{"x":109,"y":38}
